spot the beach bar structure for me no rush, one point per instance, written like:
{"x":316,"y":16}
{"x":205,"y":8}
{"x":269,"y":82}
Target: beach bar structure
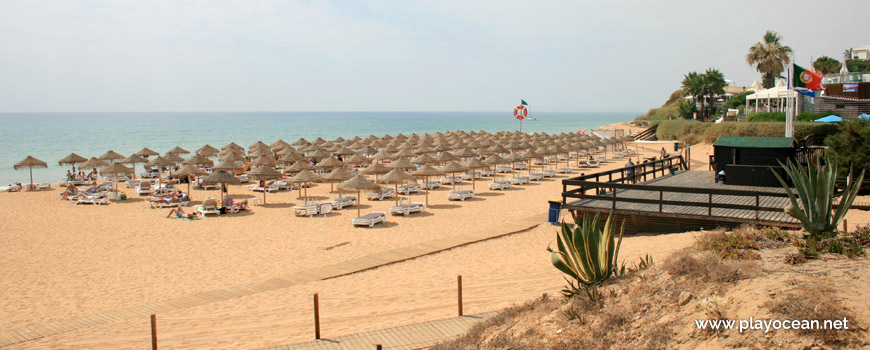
{"x":751,"y":161}
{"x":667,"y":197}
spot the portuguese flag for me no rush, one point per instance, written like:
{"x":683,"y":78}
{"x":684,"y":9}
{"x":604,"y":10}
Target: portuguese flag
{"x":807,"y":79}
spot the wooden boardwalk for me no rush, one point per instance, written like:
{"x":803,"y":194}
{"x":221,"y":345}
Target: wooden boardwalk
{"x":372,"y":261}
{"x":415,"y":336}
{"x":650,"y":217}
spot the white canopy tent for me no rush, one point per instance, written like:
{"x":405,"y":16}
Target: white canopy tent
{"x":773,"y":99}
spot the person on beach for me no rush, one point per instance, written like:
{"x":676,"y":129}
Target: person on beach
{"x":629,"y":173}
{"x":179,"y":213}
{"x":664,"y":153}
{"x":69,"y":175}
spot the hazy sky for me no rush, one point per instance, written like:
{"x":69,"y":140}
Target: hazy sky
{"x":383,"y":55}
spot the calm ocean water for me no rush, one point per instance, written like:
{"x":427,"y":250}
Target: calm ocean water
{"x":51,"y":136}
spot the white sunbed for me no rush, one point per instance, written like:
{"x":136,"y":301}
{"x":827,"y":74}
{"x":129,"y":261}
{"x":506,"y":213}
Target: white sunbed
{"x":342,"y":202}
{"x":467,"y":176}
{"x":590,"y":164}
{"x":370,"y":219}
{"x":551,"y":173}
{"x":209,"y":206}
{"x":284,"y":185}
{"x":161,"y":205}
{"x":601,"y":159}
{"x":450,"y":180}
{"x":500,"y":185}
{"x":563,"y":170}
{"x":432,"y":184}
{"x":519,"y":180}
{"x":536,"y":176}
{"x":461,"y":195}
{"x":485,"y":172}
{"x":43,"y":186}
{"x":407,"y":208}
{"x":96,"y":200}
{"x":144,"y":187}
{"x":270,"y":187}
{"x":520,"y":166}
{"x":504,"y":169}
{"x":379,"y":196}
{"x":302,"y":210}
{"x":409,"y":188}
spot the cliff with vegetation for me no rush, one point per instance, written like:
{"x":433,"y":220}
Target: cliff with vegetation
{"x":669,"y":110}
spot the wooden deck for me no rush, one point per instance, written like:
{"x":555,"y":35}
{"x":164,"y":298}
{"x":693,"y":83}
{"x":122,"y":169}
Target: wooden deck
{"x":693,"y":207}
{"x":415,"y":336}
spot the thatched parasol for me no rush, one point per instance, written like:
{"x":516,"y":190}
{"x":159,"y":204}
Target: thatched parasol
{"x":93,"y":163}
{"x":494,"y":160}
{"x":30,"y":162}
{"x":426,"y":171}
{"x":424,"y":159}
{"x":453,"y":168}
{"x":72,"y":159}
{"x":146,"y":152}
{"x":115,"y":169}
{"x":303,"y":177}
{"x":395,"y":177}
{"x":329,"y":163}
{"x":336,"y":176}
{"x":178,"y":150}
{"x":160,"y":162}
{"x":401,"y":164}
{"x":111,"y":156}
{"x":197,"y":159}
{"x":376,"y":169}
{"x":265,"y":173}
{"x":134,"y":159}
{"x":221,"y":177}
{"x":358,"y":183}
{"x":187,"y":171}
{"x":208,"y":150}
{"x":472,"y":164}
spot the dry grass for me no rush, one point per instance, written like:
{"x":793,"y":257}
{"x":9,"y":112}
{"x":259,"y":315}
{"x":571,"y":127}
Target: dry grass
{"x":708,"y":267}
{"x":814,"y":301}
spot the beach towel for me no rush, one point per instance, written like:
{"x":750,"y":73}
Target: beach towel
{"x":187,"y":219}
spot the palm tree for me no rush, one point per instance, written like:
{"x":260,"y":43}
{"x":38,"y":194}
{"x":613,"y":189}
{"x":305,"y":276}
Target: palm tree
{"x":826,"y":65}
{"x":769,"y":58}
{"x":693,"y":85}
{"x":713,"y":85}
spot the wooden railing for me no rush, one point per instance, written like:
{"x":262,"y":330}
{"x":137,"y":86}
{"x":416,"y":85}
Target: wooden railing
{"x":607,"y":190}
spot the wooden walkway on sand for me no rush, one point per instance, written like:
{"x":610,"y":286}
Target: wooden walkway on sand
{"x":686,"y":200}
{"x":372,"y":261}
{"x":415,"y":336}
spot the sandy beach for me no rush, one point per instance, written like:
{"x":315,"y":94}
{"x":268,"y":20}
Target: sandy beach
{"x":64,"y":261}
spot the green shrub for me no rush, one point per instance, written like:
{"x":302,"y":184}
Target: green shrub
{"x":766,"y":117}
{"x":851,"y":146}
{"x":587,"y":253}
{"x":695,"y":132}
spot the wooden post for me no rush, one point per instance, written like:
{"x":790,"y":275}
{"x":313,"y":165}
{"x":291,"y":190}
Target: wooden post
{"x":459,"y":293}
{"x":756,"y":206}
{"x":316,"y":316}
{"x":845,"y":225}
{"x":378,"y":347}
{"x":661,"y":196}
{"x":710,"y":206}
{"x":153,"y":332}
{"x":613,"y":206}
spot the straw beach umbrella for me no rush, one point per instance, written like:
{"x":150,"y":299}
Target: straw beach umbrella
{"x":160,"y":162}
{"x":111,"y":156}
{"x":93,"y":163}
{"x":358,"y":183}
{"x":337,"y":176}
{"x":453,"y":168}
{"x":395,"y":177}
{"x":425,"y":172}
{"x":303,"y":177}
{"x":265,"y":173}
{"x":30,"y":162}
{"x":221,"y":177}
{"x":115,"y":169}
{"x":178,"y":150}
{"x":190,"y":170}
{"x":134,"y":159}
{"x":473,"y":164}
{"x":376,"y":169}
{"x":72,"y":159}
{"x":146,"y":152}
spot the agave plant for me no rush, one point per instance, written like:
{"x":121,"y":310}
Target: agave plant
{"x":587,"y":253}
{"x":814,"y":204}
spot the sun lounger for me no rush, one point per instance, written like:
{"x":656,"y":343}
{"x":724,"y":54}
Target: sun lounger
{"x":504,"y":169}
{"x":234,"y":206}
{"x":303,"y":210}
{"x":536,"y":176}
{"x":409,"y":188}
{"x":407,"y":208}
{"x":500,"y":185}
{"x":520,"y":166}
{"x":284,"y":185}
{"x":468,"y":176}
{"x":160,"y":204}
{"x":450,"y":180}
{"x":519,"y":180}
{"x":95,"y":200}
{"x":460,"y":195}
{"x":370,"y":219}
{"x":551,"y":173}
{"x":379,"y":196}
{"x":590,"y":164}
{"x":243,"y":177}
{"x":342,"y":202}
{"x":563,"y":171}
{"x":144,"y":188}
{"x":601,"y":159}
{"x":432,"y":184}
{"x":43,"y":186}
{"x":485,"y":172}
{"x":270,"y":187}
{"x":209,"y":206}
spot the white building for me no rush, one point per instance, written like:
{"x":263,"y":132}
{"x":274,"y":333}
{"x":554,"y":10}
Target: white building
{"x":861,"y":53}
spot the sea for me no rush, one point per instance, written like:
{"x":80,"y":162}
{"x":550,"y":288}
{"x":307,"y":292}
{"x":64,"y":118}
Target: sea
{"x":52,"y":136}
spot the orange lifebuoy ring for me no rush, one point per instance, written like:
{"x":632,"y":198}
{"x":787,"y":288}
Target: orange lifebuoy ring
{"x":521,"y":112}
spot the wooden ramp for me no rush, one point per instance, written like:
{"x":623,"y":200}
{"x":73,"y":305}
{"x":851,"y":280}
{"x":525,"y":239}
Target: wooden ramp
{"x":686,"y":200}
{"x":415,"y":336}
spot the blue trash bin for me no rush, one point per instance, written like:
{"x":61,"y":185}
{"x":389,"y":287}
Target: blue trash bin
{"x":555,"y":207}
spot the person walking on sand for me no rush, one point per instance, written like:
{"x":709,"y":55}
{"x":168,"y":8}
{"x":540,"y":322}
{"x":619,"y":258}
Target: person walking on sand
{"x":629,"y":171}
